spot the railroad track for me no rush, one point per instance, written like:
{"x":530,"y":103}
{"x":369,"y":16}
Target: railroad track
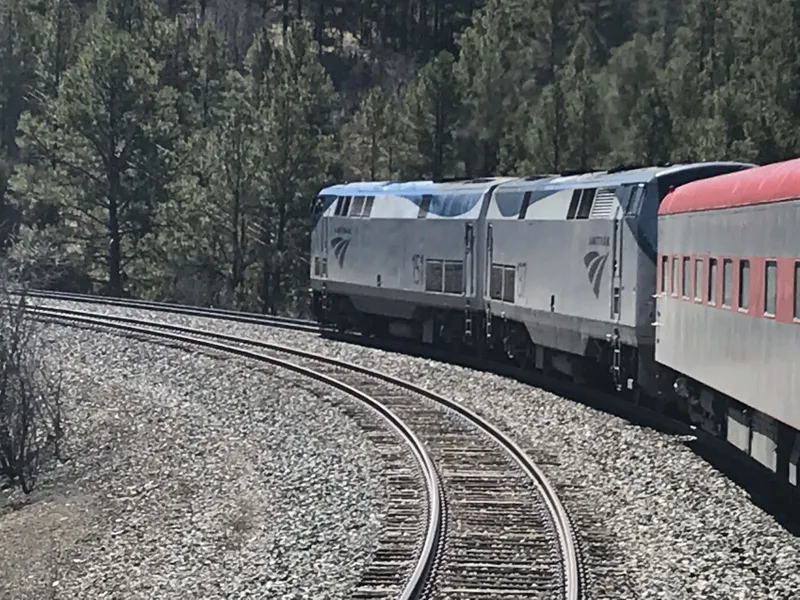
{"x":494,"y":526}
{"x":221,"y":313}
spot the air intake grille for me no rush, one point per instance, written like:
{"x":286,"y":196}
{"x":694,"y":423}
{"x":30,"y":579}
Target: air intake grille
{"x":605,"y":203}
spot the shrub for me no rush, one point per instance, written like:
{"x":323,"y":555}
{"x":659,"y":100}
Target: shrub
{"x":31,"y":413}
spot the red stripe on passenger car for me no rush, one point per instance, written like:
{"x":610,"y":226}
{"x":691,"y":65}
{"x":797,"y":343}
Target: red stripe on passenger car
{"x":785,"y":284}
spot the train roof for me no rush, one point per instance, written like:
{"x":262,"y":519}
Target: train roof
{"x":412,"y":188}
{"x":614,"y":177}
{"x":768,"y":184}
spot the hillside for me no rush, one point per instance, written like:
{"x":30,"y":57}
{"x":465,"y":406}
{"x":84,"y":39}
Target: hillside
{"x":171,"y":149}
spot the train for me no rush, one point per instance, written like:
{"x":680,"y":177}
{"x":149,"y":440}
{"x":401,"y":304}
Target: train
{"x":673,"y":286}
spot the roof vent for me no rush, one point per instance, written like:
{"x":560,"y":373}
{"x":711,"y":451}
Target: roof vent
{"x":575,"y":172}
{"x":448,"y":179}
{"x":628,"y":167}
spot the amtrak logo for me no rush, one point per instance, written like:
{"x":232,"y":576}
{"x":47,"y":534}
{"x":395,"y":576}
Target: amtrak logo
{"x":595,"y":263}
{"x":340,"y":246}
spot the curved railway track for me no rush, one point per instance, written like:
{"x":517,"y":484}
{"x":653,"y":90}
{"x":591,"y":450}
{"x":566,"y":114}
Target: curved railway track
{"x":221,"y":313}
{"x":501,"y":532}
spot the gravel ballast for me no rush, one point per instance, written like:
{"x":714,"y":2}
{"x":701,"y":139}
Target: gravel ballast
{"x":670,"y":526}
{"x":191,"y":476}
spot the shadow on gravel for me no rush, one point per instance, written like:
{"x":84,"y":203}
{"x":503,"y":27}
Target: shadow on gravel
{"x":777,"y":498}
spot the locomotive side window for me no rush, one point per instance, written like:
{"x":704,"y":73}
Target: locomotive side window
{"x":357,"y":206}
{"x":526,"y":201}
{"x":434,"y":275}
{"x":771,"y":288}
{"x":509,"y":278}
{"x":797,"y":290}
{"x":454,"y":277}
{"x":368,"y":206}
{"x":712,"y":281}
{"x":664,"y":268}
{"x":496,"y":283}
{"x":727,"y":281}
{"x":585,"y":208}
{"x":573,"y":205}
{"x":686,"y":275}
{"x":502,"y":283}
{"x":698,"y":279}
{"x":744,"y":284}
{"x":339,"y":206}
{"x":424,"y":206}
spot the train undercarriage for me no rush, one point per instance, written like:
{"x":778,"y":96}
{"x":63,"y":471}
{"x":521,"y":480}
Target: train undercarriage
{"x":605,"y":366}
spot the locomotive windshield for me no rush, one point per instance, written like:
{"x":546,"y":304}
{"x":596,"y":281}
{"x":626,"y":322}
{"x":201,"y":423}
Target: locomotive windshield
{"x":677,"y":179}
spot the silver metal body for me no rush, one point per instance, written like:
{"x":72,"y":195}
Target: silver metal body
{"x":741,"y":352}
{"x":577,"y":278}
{"x":567,"y":278}
{"x":403,"y":255}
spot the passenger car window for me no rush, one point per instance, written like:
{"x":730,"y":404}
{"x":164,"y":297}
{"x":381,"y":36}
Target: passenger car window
{"x":744,"y":284}
{"x":686,"y":275}
{"x":797,"y":290}
{"x":698,"y":279}
{"x":727,"y":281}
{"x":674,"y":288}
{"x":771,"y":287}
{"x":712,"y":281}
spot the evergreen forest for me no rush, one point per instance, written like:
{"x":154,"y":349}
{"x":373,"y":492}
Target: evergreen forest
{"x":170,"y":149}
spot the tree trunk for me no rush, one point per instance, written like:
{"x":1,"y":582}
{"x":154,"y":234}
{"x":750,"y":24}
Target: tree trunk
{"x":114,"y":247}
{"x":236,"y":267}
{"x":280,"y":244}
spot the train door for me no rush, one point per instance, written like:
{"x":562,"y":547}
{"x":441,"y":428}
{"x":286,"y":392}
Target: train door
{"x":616,"y":266}
{"x":319,"y":238}
{"x":489,"y":259}
{"x":325,"y":245}
{"x":616,"y":293}
{"x":469,"y":259}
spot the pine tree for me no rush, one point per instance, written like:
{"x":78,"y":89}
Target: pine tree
{"x":584,"y":112}
{"x":297,"y":99}
{"x":104,"y":140}
{"x":369,"y":149}
{"x":430,"y":112}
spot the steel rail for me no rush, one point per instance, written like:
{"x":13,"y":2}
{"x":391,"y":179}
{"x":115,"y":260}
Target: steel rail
{"x":199,"y":311}
{"x":556,"y":510}
{"x":428,"y":554}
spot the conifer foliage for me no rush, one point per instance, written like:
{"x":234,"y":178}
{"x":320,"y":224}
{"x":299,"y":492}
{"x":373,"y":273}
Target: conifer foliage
{"x":171,"y":149}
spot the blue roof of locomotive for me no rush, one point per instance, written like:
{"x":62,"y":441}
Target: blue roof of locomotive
{"x":380,"y":187}
{"x":611,"y":180}
{"x":407,"y":188}
{"x":597,"y":178}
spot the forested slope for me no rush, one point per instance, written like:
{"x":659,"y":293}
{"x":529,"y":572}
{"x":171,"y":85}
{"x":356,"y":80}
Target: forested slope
{"x":170,"y":149}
